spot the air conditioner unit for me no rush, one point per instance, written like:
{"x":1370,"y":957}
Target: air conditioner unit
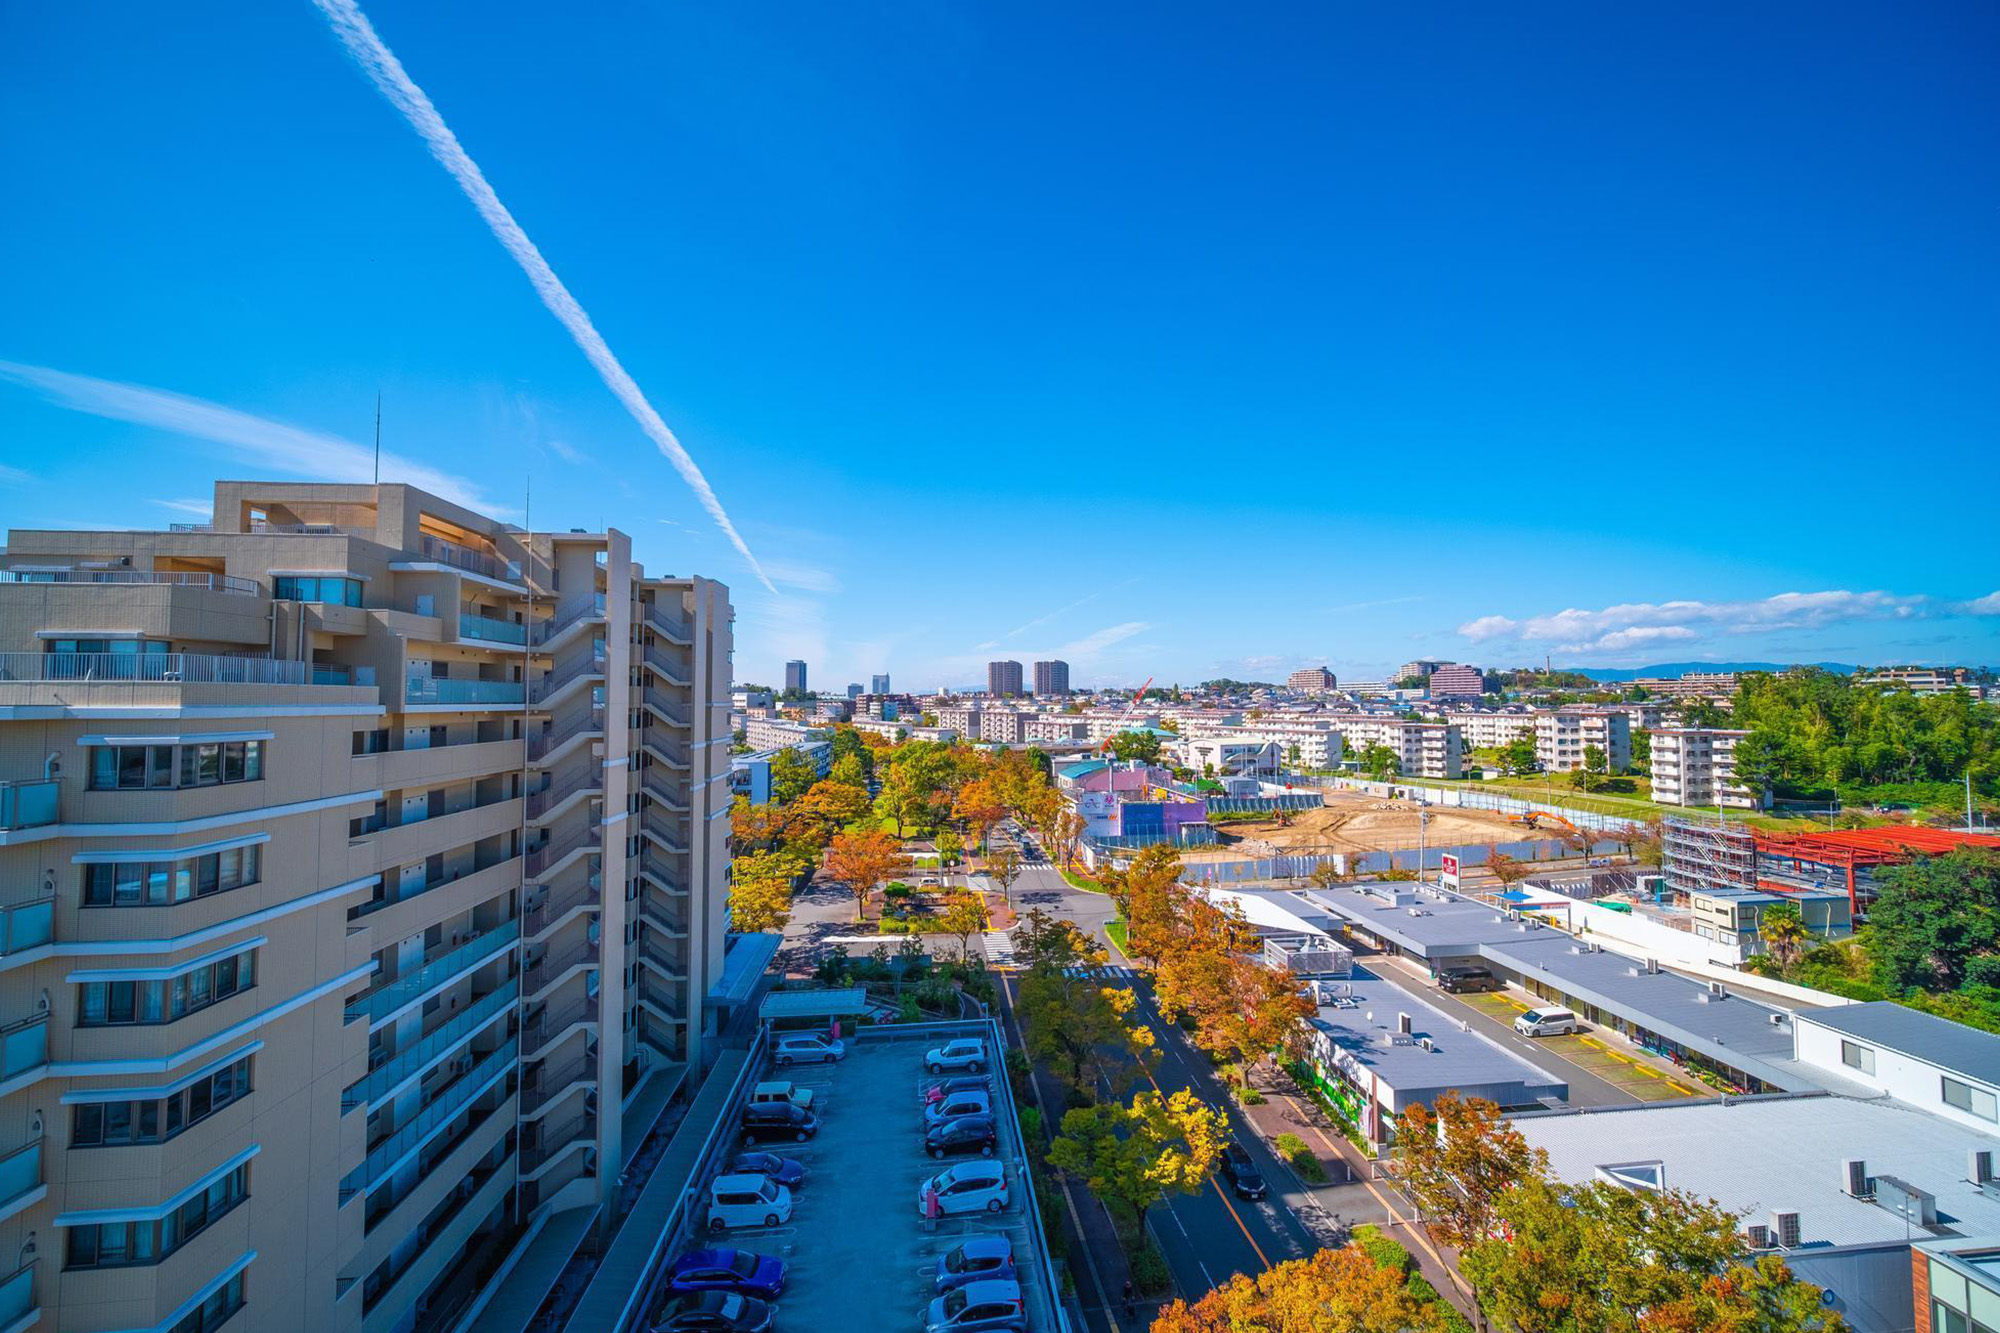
{"x":1979,"y":1166}
{"x":1854,"y":1178}
{"x":1785,"y":1227}
{"x":1758,"y":1235}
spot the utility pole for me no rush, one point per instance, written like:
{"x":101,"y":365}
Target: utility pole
{"x":378,"y":437}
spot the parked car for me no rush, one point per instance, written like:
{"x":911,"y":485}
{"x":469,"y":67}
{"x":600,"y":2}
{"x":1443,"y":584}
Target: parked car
{"x":787,"y":1171}
{"x":956,"y":1105}
{"x":715,"y":1312}
{"x":978,"y":1307}
{"x":969,"y":1187}
{"x":978,"y":1258}
{"x":1465,"y":980}
{"x":959,"y":1083}
{"x":1549,"y":1020}
{"x":806,"y":1046}
{"x":1242,"y":1172}
{"x":965,"y":1134}
{"x":782,"y":1090}
{"x":747,"y":1201}
{"x":765,"y":1121}
{"x":739,"y":1271}
{"x":967,"y":1053}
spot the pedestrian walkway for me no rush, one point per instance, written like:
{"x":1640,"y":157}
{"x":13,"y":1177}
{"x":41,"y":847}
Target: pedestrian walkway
{"x":999,"y":946}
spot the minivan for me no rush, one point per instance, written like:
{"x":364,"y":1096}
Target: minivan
{"x":781,"y":1090}
{"x":1463,"y":980}
{"x":747,"y":1201}
{"x":778,"y":1120}
{"x":1551,"y":1020}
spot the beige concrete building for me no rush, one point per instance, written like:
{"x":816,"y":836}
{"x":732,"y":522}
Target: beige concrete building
{"x":778,"y":733}
{"x":1563,"y":734}
{"x":1422,"y":749}
{"x":1697,"y":766}
{"x":362,"y":880}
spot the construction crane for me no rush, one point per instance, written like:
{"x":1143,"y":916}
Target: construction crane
{"x":1125,"y":717}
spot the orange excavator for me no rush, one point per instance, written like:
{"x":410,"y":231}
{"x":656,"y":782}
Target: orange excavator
{"x":1534,"y":819}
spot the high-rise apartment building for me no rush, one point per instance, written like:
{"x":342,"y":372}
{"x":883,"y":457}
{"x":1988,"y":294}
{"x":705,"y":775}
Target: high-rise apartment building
{"x":1051,"y":678}
{"x":1697,"y":766}
{"x":1311,"y":680}
{"x":879,"y":684}
{"x":1562,"y":735}
{"x":1453,"y":680}
{"x":361,"y":859}
{"x":1420,"y":669}
{"x":1003,"y":678}
{"x":853,"y":689}
{"x":795,"y":677}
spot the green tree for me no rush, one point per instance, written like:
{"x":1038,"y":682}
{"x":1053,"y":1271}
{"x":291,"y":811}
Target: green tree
{"x":1784,"y":934}
{"x":1517,"y":757}
{"x":792,"y":775}
{"x":1072,"y":1017}
{"x":1642,"y":751}
{"x":849,"y":771}
{"x":1003,"y":867}
{"x":760,"y":890}
{"x":1380,"y":762}
{"x":1595,"y":761}
{"x":1937,"y":918}
{"x":963,"y":917}
{"x":1139,"y":1153}
{"x":949,"y":847}
{"x":1135,"y":745}
{"x":846,"y":743}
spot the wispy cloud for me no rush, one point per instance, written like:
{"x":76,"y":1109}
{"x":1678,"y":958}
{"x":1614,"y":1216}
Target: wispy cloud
{"x":14,"y":475}
{"x":358,"y":35}
{"x":1090,"y":646}
{"x":567,"y":452}
{"x":1370,"y":606}
{"x":803,"y":577}
{"x":1639,"y":624}
{"x":292,"y":450}
{"x":1085,"y":600}
{"x":197,"y":508}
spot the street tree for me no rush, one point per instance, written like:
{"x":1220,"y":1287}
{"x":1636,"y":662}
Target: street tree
{"x":1138,"y":1153}
{"x":979,"y":807}
{"x":963,"y":917}
{"x":950,"y":847}
{"x":863,"y":860}
{"x":1003,"y":868}
{"x":1509,"y":870}
{"x":1457,"y":1158}
{"x":1072,"y":1017}
{"x":760,"y":891}
{"x":1127,"y":745}
{"x":1333,"y":1291}
{"x":1380,"y":762}
{"x":792,"y":775}
{"x":1148,"y":894}
{"x":754,"y":827}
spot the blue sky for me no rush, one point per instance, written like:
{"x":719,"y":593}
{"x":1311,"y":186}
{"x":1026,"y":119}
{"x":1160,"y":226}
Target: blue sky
{"x":1176,"y":339}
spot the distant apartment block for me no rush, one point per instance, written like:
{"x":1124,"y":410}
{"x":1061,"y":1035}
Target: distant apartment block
{"x":878,"y":684}
{"x":1690,"y":685}
{"x":1056,"y":729}
{"x":360,"y":858}
{"x":744,"y":700}
{"x":1006,"y":726}
{"x":1922,"y":679}
{"x":887,"y":728}
{"x":1563,"y":734}
{"x":854,"y":690}
{"x":962,"y":718}
{"x":1301,"y":745}
{"x":832,"y":710}
{"x":1697,"y":766}
{"x":1103,"y":726}
{"x":795,"y":677}
{"x":778,"y":733}
{"x":1003,"y":679}
{"x":1422,"y":749}
{"x":1452,"y":680}
{"x":1311,"y":680}
{"x":1051,"y":678}
{"x":1420,"y":669}
{"x":1490,"y":731}
{"x":750,"y":774}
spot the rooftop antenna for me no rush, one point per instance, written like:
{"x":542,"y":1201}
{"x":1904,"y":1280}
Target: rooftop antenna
{"x":378,"y":437}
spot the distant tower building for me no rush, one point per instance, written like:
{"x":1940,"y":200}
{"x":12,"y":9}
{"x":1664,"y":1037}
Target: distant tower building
{"x":879,"y":683}
{"x":1311,"y":680}
{"x":1051,"y":678}
{"x":795,"y":677}
{"x":1003,"y":678}
{"x":1420,"y":668}
{"x":854,"y":689}
{"x":1451,"y":680}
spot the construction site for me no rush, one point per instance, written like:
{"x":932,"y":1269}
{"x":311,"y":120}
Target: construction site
{"x":1351,"y":821}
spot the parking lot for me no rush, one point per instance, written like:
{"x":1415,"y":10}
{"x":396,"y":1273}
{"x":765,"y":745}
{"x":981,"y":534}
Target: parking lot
{"x":1633,"y":1074}
{"x":860,"y":1254}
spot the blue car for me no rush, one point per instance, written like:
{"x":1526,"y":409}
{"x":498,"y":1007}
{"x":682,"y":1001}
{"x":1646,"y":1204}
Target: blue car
{"x":979,"y":1259}
{"x":787,"y":1171}
{"x":739,"y":1271}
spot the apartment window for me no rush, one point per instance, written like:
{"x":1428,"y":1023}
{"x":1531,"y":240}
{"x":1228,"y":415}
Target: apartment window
{"x":216,"y":1310}
{"x":159,"y":883}
{"x":1856,"y":1056}
{"x":210,"y":764}
{"x":298,"y":588}
{"x":1971,"y":1100}
{"x":141,"y":1003}
{"x":125,"y":1244}
{"x":372,"y":742}
{"x":121,"y":647}
{"x":110,"y":1124}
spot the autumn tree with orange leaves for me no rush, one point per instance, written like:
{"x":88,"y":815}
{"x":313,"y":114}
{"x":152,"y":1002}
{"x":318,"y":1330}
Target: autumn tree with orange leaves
{"x":1334,"y":1291}
{"x":863,"y":860}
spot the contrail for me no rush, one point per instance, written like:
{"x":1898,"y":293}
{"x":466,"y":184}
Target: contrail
{"x":357,"y":34}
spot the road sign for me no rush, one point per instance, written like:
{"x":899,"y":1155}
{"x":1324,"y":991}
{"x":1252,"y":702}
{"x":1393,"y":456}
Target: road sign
{"x":1448,"y":864}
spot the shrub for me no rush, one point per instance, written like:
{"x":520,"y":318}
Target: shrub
{"x":897,"y":889}
{"x":1031,"y":1127}
{"x":1304,"y":1161}
{"x":1420,"y":1287}
{"x":1149,"y":1271}
{"x":1384,"y":1252}
{"x":1248,"y":1095}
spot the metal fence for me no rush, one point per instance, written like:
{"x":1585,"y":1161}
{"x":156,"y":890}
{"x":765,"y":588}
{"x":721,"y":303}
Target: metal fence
{"x":171,"y":668}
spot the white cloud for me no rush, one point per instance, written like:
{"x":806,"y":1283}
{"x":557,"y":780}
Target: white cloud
{"x":358,"y":35}
{"x":1636,"y":624}
{"x":197,"y":508}
{"x":567,"y":452}
{"x":803,"y":577}
{"x":1090,"y":646}
{"x":1989,"y":605}
{"x":292,"y":450}
{"x":1085,"y":600}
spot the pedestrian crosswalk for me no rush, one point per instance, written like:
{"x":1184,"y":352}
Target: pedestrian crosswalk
{"x":999,"y":948}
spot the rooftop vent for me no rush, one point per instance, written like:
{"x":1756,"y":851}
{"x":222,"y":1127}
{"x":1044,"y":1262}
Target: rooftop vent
{"x":1854,"y":1178}
{"x":1427,"y":1043}
{"x":1403,"y":1024}
{"x":1899,"y":1196}
{"x":1758,"y":1235}
{"x":1778,"y":1020}
{"x":1785,"y":1229}
{"x":1979,"y":1166}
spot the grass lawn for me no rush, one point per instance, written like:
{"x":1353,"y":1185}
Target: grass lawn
{"x":1119,"y":936}
{"x":1076,"y":881}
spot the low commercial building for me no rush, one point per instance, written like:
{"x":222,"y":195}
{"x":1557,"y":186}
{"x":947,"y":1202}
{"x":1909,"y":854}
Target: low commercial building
{"x":1233,"y":756}
{"x":777,"y":734}
{"x":1956,"y":1285}
{"x":1697,"y":766}
{"x":1563,"y":735}
{"x":1944,"y":1068}
{"x":888,"y":730}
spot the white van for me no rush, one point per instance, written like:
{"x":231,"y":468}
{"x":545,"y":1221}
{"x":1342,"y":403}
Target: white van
{"x":783,"y":1090}
{"x":1551,"y":1020}
{"x":747,"y":1201}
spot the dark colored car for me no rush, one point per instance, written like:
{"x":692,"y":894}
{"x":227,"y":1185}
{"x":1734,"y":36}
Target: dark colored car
{"x":976,"y":1260}
{"x":965,"y":1134}
{"x":787,"y":1171}
{"x":1244,"y":1177}
{"x":1464,"y":980}
{"x":765,"y":1121}
{"x":739,"y":1271}
{"x":945,"y":1087}
{"x":715,"y":1312}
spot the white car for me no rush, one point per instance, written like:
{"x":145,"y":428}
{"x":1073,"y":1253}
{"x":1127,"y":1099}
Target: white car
{"x":807,"y":1046}
{"x":1550,"y":1020}
{"x":969,"y":1187}
{"x":747,"y":1201}
{"x":967,"y":1053}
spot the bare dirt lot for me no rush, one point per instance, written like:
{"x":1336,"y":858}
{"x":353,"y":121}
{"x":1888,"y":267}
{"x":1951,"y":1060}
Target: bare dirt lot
{"x":1357,"y":822}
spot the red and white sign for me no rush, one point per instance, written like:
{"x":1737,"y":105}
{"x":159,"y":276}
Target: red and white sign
{"x":1448,"y":865}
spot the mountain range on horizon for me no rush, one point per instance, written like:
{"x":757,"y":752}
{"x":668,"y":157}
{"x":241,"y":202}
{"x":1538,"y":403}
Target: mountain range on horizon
{"x":1617,"y":674}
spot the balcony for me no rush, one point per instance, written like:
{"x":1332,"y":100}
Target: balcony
{"x":552,"y":1143}
{"x":24,"y":1048}
{"x":17,"y":1299}
{"x":26,"y":926}
{"x":488,"y":630}
{"x":127,"y":577}
{"x":553,"y":907}
{"x":21,"y":1183}
{"x":673,"y":712}
{"x":584,"y":837}
{"x":549,"y":1025}
{"x":30,"y":803}
{"x":585,"y":722}
{"x":172,"y":668}
{"x":544,"y":971}
{"x":583,"y":666}
{"x":670,"y":626}
{"x":442,"y":552}
{"x":567,"y":618}
{"x":431,"y":1120}
{"x":663,"y":663}
{"x":541,"y":1088}
{"x":406,"y":1063}
{"x":385,"y":1000}
{"x":440,"y":690}
{"x":585,"y":775}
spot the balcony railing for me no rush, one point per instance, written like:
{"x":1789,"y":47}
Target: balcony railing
{"x":442,"y":690}
{"x":212,"y":582}
{"x":431,"y":1119}
{"x":552,"y":1023}
{"x":669,"y":626}
{"x":172,"y":668}
{"x":660,"y":702}
{"x":578,"y":723}
{"x":17,"y":1296}
{"x":20,"y":1172}
{"x":414,"y":1057}
{"x":593,"y":663}
{"x":587,"y":836}
{"x":26,"y":926}
{"x":587,"y":775}
{"x":559,"y":623}
{"x":586,"y":891}
{"x":343,"y":675}
{"x":392,"y":996}
{"x":488,"y":630}
{"x":584,"y":953}
{"x":660,"y":660}
{"x":29,"y":803}
{"x":461,"y":557}
{"x":552,"y":1142}
{"x":553,"y":1083}
{"x":24,"y":1045}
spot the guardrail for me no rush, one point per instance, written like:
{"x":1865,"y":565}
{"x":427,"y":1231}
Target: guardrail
{"x":374,"y":1168}
{"x":212,"y":582}
{"x":477,"y":950}
{"x":442,"y":690}
{"x":170,"y":668}
{"x":488,"y":630}
{"x":27,"y":925}
{"x":461,"y":557}
{"x":400,"y":1065}
{"x":28,"y":803}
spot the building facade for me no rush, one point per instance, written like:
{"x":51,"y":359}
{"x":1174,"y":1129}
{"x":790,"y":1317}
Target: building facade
{"x":1563,"y":734}
{"x":795,"y":677}
{"x":1697,"y":766}
{"x":779,"y":733}
{"x":371,"y":858}
{"x":1051,"y":678}
{"x":1311,"y":680}
{"x":1451,"y":680}
{"x":878,"y":684}
{"x":1003,"y":679}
